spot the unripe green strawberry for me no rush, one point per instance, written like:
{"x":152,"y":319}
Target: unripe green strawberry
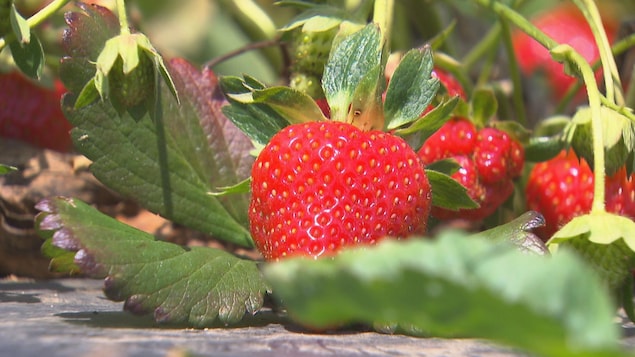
{"x":130,"y":90}
{"x":321,"y":186}
{"x":309,"y":51}
{"x":610,"y":261}
{"x":309,"y":84}
{"x":614,"y":156}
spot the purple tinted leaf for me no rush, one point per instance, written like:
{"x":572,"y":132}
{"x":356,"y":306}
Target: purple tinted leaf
{"x":199,"y":286}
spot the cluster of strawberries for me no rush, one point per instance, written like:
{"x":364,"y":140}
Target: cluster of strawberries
{"x":489,"y":161}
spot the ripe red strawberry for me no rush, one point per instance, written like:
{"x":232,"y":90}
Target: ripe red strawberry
{"x":320,"y":186}
{"x":562,"y":188}
{"x":490,"y":159}
{"x":456,"y":137}
{"x":565,"y":24}
{"x":451,"y":85}
{"x":32,"y":113}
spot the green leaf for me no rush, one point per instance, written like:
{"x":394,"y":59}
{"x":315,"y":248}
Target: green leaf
{"x":29,"y":57}
{"x":198,"y":286}
{"x":456,"y":286}
{"x":448,"y":193}
{"x":5,"y":169}
{"x":349,"y":63}
{"x":19,"y":26}
{"x":170,"y":165}
{"x":519,"y":233}
{"x":411,"y":88}
{"x":258,"y":121}
{"x":483,"y":106}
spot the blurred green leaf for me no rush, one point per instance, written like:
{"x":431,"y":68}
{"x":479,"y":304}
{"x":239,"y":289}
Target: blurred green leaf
{"x":456,"y":286}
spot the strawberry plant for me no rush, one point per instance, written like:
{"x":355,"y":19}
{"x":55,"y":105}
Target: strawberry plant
{"x":344,"y":174}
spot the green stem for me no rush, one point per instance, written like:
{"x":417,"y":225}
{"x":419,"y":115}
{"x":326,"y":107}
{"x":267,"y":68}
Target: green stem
{"x":383,"y":16}
{"x":514,"y":70}
{"x":618,"y":48}
{"x":611,"y":75}
{"x":123,"y":17}
{"x":519,"y":21}
{"x":567,"y":53}
{"x":489,"y":41}
{"x":37,"y":18}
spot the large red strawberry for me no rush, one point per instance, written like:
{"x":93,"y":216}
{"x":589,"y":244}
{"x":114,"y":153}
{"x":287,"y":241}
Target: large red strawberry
{"x":489,"y":158}
{"x":320,"y":186}
{"x":565,"y":24}
{"x":562,"y":188}
{"x":32,"y":113}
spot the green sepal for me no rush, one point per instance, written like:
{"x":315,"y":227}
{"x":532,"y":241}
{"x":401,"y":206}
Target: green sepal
{"x":411,"y":88}
{"x":448,"y":193}
{"x":483,"y":106}
{"x":29,"y":57}
{"x":293,"y":105}
{"x":598,"y":227}
{"x":543,"y":148}
{"x":243,"y":186}
{"x":349,"y":63}
{"x":5,"y":169}
{"x":419,"y":131}
{"x":444,"y":166}
{"x":88,"y":95}
{"x":257,"y":120}
{"x":20,"y":27}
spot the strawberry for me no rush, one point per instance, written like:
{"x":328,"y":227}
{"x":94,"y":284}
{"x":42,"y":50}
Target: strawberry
{"x":32,"y":113}
{"x":132,"y":89}
{"x":309,"y":52}
{"x":490,"y":159}
{"x":451,"y":85}
{"x":565,"y":24}
{"x":562,"y":188}
{"x":321,"y":186}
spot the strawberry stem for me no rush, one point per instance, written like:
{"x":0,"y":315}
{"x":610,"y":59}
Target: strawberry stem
{"x":123,"y":17}
{"x":37,"y":18}
{"x":565,"y":53}
{"x":609,"y":67}
{"x":382,"y":16}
